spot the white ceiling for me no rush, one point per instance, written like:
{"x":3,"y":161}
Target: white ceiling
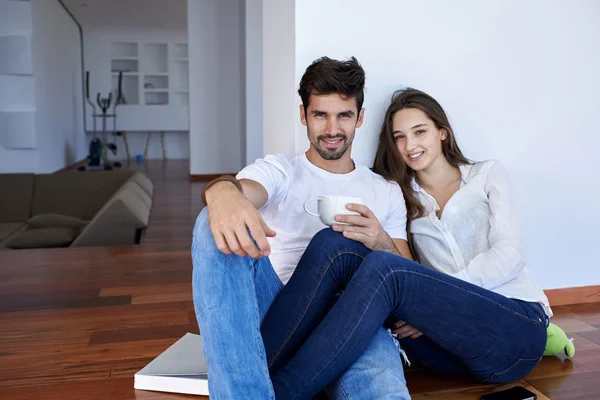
{"x":169,"y":14}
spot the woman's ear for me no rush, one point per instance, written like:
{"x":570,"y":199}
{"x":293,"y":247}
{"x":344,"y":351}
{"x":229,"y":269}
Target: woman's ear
{"x":443,"y":134}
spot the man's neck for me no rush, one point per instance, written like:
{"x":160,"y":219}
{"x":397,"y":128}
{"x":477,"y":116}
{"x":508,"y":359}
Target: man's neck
{"x":439,"y":174}
{"x":343,"y":165}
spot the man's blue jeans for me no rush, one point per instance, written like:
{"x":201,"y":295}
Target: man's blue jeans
{"x":311,"y":336}
{"x":232,"y":295}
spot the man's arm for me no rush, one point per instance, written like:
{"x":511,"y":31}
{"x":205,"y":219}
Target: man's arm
{"x":232,"y":211}
{"x":253,"y":191}
{"x":392,"y":245}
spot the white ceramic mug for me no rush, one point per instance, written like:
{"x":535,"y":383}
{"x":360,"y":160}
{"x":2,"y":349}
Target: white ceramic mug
{"x":330,"y":206}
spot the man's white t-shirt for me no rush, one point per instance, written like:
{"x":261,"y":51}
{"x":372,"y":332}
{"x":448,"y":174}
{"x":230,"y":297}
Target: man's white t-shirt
{"x":292,"y":180}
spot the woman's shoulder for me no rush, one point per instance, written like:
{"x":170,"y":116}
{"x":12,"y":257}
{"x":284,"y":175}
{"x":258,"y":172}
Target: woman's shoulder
{"x":484,"y":168}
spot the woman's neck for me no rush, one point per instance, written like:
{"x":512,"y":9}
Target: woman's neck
{"x":439,"y":174}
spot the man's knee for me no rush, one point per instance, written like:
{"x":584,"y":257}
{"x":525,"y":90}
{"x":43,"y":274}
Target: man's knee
{"x":202,"y":227}
{"x":204,"y":249}
{"x":206,"y":256}
{"x":203,"y":239}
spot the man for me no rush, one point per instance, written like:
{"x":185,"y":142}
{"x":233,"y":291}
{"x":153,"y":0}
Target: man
{"x":250,"y":237}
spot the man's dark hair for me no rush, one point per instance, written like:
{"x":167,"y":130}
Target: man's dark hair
{"x":325,"y":76}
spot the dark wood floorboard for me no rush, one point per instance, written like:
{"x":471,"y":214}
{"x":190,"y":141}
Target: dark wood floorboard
{"x":78,"y":323}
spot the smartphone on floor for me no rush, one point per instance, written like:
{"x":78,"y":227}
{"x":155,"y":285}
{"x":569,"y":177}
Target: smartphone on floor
{"x":514,"y":393}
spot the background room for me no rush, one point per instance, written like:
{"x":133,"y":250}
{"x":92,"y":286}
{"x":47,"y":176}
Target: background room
{"x":147,"y":41}
{"x":210,"y":86}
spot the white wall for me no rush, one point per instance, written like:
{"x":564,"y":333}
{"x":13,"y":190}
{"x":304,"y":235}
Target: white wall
{"x":254,"y":81}
{"x":129,"y":13}
{"x":47,"y":94}
{"x":271,"y":99}
{"x":280,"y":101}
{"x":217,"y":86}
{"x":520,"y":83}
{"x":57,"y":70}
{"x":97,"y":40}
{"x":17,"y":83}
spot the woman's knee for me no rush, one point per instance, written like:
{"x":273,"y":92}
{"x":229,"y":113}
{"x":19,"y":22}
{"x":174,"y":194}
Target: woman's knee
{"x":330,"y":242}
{"x":332,"y":252}
{"x":385,"y":262}
{"x":399,"y":272}
{"x":327,"y":235}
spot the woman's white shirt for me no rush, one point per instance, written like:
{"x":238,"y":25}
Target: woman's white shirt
{"x":478,"y":237}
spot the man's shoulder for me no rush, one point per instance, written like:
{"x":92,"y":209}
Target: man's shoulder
{"x":275,"y":158}
{"x":283,"y":162}
{"x":377,"y":179}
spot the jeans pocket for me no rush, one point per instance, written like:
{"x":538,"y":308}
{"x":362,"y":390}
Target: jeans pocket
{"x":515,"y":372}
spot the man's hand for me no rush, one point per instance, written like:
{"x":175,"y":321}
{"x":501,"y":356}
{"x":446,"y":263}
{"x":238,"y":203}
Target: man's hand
{"x":403,"y":330}
{"x":365,"y":228}
{"x":231,"y":215}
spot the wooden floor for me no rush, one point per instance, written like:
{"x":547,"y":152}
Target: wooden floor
{"x":78,"y":323}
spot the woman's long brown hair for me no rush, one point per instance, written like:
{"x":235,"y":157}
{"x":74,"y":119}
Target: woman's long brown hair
{"x":388,"y":161}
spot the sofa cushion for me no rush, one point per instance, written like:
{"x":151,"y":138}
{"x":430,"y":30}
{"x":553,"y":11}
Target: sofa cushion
{"x":56,"y":221}
{"x":117,"y":221}
{"x":143,"y":182}
{"x":43,"y":238}
{"x":78,"y":194}
{"x":8,"y":228}
{"x":140,"y":192}
{"x":16,"y":192}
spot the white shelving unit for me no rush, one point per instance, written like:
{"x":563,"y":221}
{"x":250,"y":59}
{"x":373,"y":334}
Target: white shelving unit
{"x":155,"y":58}
{"x":124,"y":57}
{"x":155,"y":84}
{"x":179,"y":66}
{"x":124,"y":50}
{"x":156,"y":74}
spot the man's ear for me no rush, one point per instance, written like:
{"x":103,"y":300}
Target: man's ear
{"x":303,"y":116}
{"x":361,"y":116}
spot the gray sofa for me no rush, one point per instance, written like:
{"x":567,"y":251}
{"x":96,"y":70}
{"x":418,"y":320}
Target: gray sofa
{"x":73,"y":209}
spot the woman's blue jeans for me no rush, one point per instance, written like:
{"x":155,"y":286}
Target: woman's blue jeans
{"x":312,"y":333}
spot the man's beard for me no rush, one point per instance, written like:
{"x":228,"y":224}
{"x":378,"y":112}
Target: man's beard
{"x":329,"y":154}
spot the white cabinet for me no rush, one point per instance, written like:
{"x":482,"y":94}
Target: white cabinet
{"x":155,"y":80}
{"x":124,"y":58}
{"x":153,"y":73}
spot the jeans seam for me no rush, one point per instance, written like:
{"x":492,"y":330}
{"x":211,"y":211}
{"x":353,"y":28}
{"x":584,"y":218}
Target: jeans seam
{"x":339,"y":385}
{"x":476,"y":294}
{"x":530,"y":361}
{"x":538,"y":322}
{"x":354,"y":328}
{"x":309,"y":302}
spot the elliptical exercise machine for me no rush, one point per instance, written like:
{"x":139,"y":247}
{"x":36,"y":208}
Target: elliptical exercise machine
{"x":98,"y":157}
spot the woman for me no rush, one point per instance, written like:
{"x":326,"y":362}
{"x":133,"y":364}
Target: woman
{"x":470,"y":307}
